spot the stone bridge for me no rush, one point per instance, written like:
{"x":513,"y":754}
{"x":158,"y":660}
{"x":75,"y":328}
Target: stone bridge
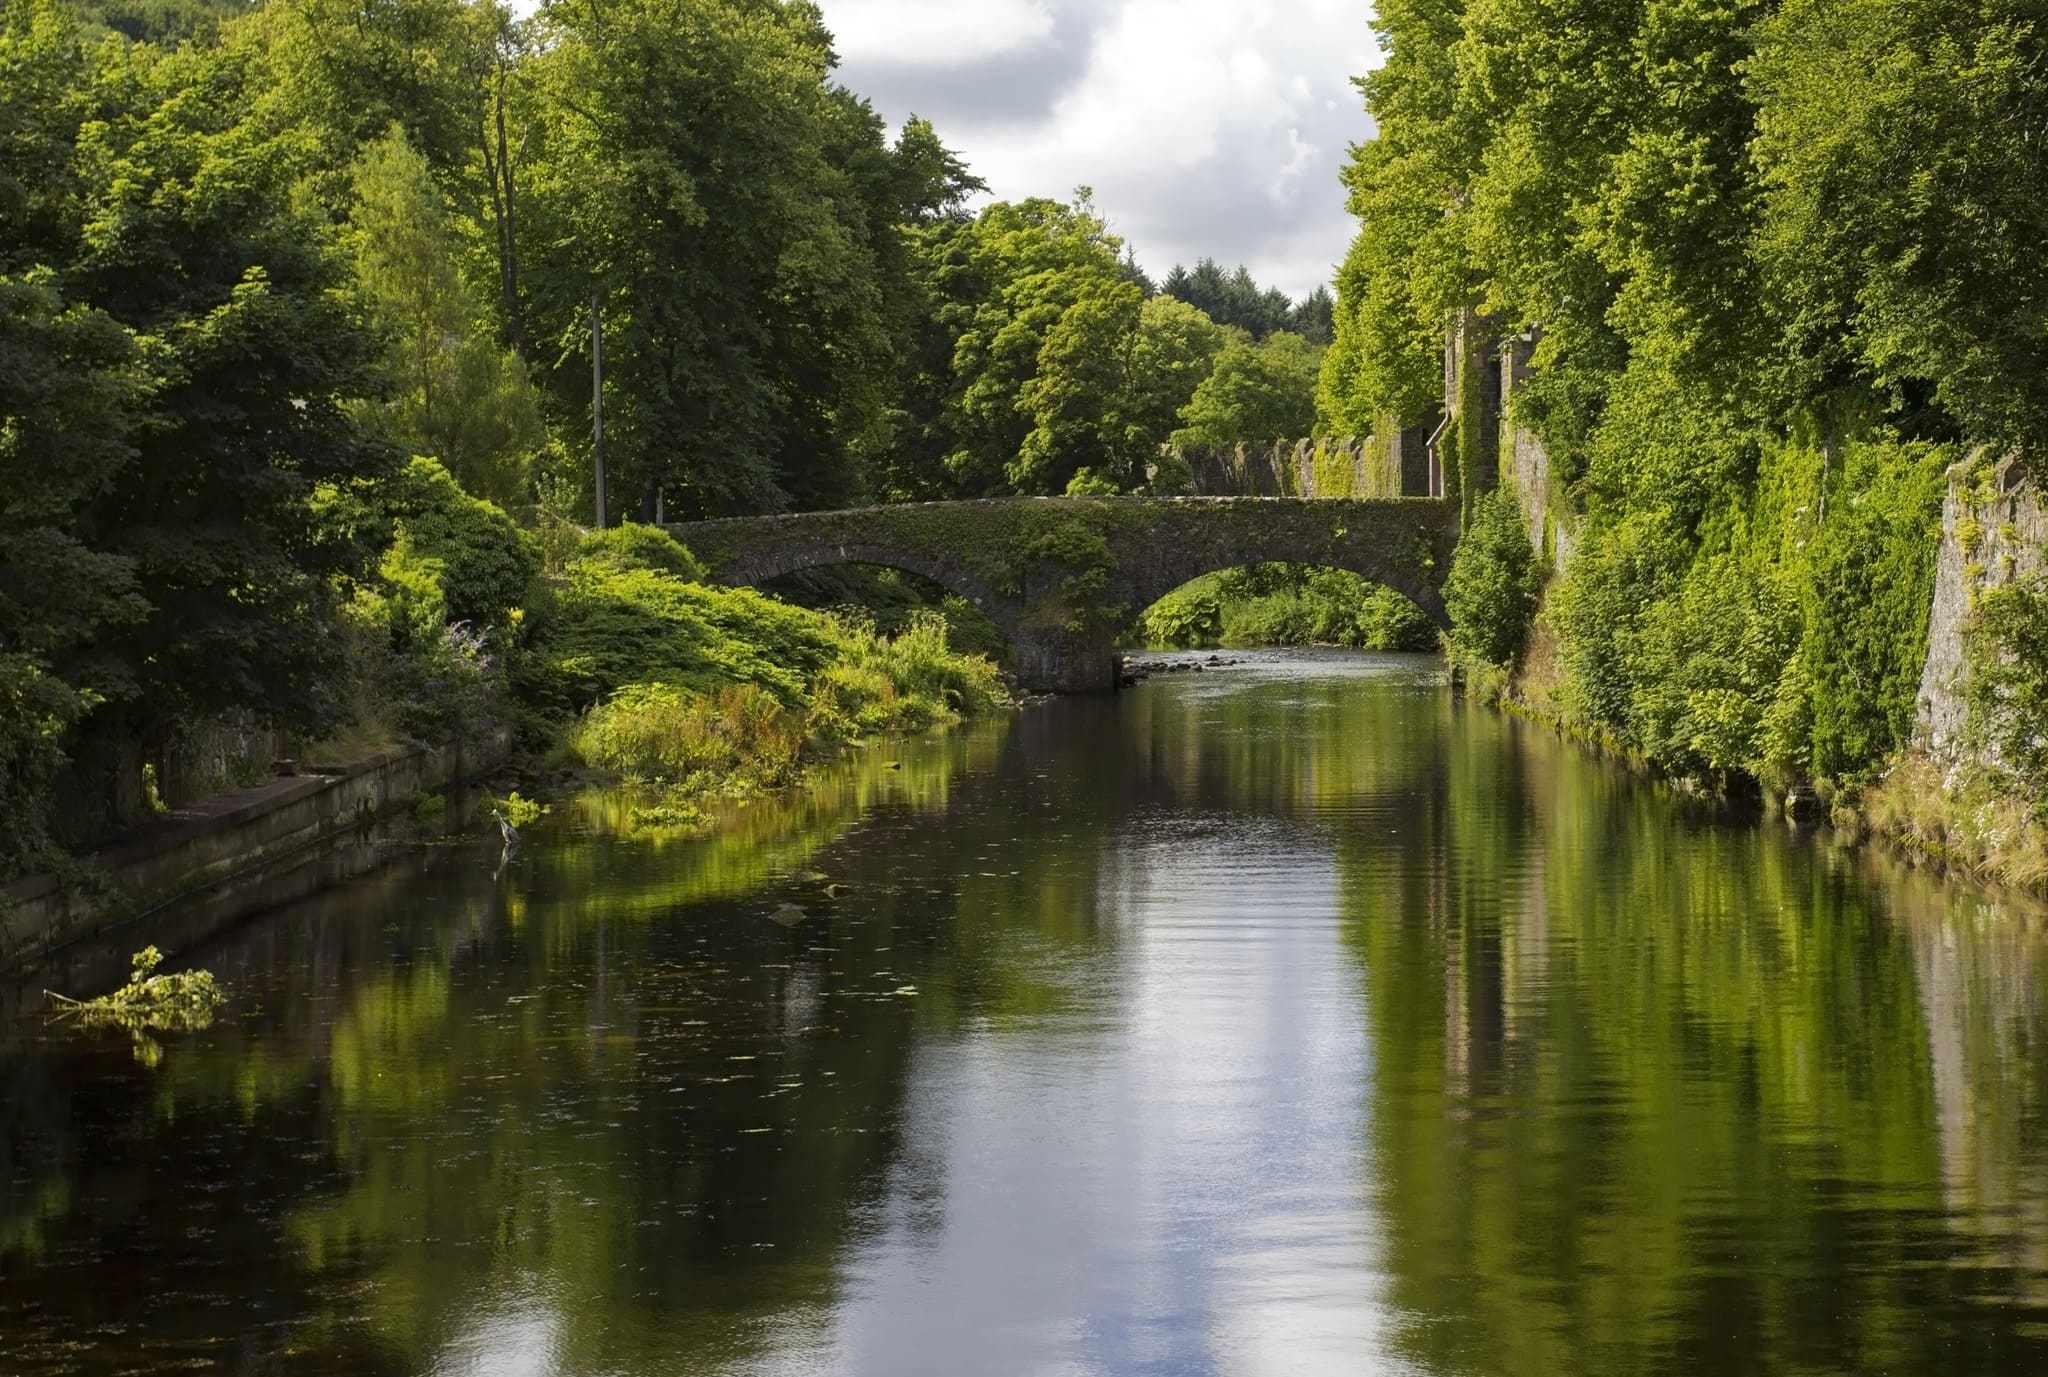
{"x":1061,"y":576}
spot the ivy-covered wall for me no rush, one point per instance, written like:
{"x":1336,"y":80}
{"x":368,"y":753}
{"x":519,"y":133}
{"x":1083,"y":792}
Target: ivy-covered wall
{"x":1389,"y":463}
{"x":1973,"y":788}
{"x":1861,"y":622}
{"x":1993,"y":534}
{"x":1782,"y":639}
{"x":1779,"y":269}
{"x":1471,"y":447}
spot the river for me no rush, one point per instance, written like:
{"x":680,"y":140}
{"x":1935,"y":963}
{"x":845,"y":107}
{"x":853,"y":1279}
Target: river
{"x":1287,"y":1018}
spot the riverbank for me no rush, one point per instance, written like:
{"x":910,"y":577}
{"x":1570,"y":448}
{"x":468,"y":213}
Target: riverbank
{"x":1958,"y":822}
{"x":604,"y":659}
{"x":244,"y":851}
{"x":1896,"y":688}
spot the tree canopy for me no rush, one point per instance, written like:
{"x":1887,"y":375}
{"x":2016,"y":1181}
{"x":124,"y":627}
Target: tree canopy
{"x":1780,"y":263}
{"x":271,"y":271}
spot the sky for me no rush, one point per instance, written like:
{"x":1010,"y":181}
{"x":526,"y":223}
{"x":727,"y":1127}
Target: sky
{"x":1207,"y":128}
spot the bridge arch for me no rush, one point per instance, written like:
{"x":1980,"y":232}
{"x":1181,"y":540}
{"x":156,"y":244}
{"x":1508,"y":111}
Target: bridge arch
{"x":1201,"y":608}
{"x":1179,"y":571}
{"x":1060,"y":576}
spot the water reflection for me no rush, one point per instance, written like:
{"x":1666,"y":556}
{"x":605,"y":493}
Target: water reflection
{"x":1148,"y":1183}
{"x":1289,"y":1019}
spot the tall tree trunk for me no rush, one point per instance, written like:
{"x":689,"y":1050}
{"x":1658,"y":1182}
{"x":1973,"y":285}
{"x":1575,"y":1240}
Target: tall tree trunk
{"x":504,"y":205}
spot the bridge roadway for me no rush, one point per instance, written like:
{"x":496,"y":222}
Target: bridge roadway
{"x":1062,"y":576}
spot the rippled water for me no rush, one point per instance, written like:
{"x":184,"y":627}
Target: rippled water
{"x":1285,"y":1019}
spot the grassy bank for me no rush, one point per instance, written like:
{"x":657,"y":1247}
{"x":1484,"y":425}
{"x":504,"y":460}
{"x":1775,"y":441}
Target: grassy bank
{"x":614,"y":658}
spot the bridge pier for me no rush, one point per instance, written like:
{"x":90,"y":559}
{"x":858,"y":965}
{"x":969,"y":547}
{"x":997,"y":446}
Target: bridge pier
{"x":1063,"y":661}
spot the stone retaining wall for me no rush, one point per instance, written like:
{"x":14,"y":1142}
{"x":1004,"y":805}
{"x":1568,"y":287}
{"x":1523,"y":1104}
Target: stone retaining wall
{"x":232,"y":847}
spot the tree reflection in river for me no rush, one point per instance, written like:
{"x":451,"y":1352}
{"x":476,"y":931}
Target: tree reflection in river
{"x":1662,"y":1093}
{"x":1289,"y":1019}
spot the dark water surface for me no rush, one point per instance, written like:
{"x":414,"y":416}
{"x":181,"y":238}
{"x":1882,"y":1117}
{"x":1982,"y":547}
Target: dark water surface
{"x":1290,"y":1019}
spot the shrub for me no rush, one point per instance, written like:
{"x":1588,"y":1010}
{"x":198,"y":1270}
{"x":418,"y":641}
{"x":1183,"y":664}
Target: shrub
{"x":1493,"y":585}
{"x":487,"y":564}
{"x":451,"y":688}
{"x":727,"y":735}
{"x":419,"y":674}
{"x":1870,"y":567}
{"x":1617,"y":571}
{"x":35,"y":710}
{"x":1286,"y":604}
{"x":611,"y":627}
{"x":923,"y":668}
{"x":849,"y":701}
{"x":1709,"y":666}
{"x":891,"y":598}
{"x":619,"y":548}
{"x":1387,"y":620}
{"x":1188,"y":616}
{"x":734,"y":734}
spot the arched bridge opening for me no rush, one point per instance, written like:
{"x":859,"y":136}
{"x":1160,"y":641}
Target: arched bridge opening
{"x":1283,"y":604}
{"x":1062,"y":576}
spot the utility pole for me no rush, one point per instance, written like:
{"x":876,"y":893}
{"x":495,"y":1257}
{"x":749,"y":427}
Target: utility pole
{"x":597,"y":402}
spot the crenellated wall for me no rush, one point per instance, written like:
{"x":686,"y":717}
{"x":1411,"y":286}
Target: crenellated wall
{"x":1392,"y":462}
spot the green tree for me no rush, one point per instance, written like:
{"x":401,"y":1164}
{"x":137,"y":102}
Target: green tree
{"x":70,"y":385}
{"x":1906,"y":202}
{"x":732,"y":211}
{"x":1492,"y":589}
{"x":488,"y":564}
{"x":455,"y":393}
{"x":1408,"y":187}
{"x":1071,"y":399}
{"x":1257,"y":393}
{"x":1235,"y":299}
{"x":191,"y":238}
{"x":1171,"y":355}
{"x":184,"y":343}
{"x":342,"y":72}
{"x":162,"y":21}
{"x":1046,"y":327}
{"x":942,"y":283}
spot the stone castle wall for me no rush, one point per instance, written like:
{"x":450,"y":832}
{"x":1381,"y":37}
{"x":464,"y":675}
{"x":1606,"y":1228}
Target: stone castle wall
{"x":1991,"y":534}
{"x":1393,"y":462}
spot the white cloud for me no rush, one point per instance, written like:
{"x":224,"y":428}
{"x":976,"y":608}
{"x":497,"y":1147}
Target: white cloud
{"x":941,"y":33}
{"x":1206,"y":127}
